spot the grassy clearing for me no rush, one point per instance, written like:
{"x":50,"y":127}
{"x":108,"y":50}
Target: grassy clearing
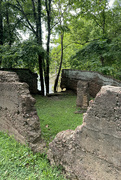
{"x":17,"y":162}
{"x":57,"y":114}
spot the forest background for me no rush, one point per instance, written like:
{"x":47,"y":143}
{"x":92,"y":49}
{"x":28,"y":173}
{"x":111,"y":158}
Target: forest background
{"x":80,"y":34}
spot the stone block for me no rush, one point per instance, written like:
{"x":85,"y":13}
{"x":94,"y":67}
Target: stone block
{"x":18,"y":115}
{"x":70,"y":78}
{"x":25,"y":75}
{"x":93,"y":150}
{"x":82,"y":94}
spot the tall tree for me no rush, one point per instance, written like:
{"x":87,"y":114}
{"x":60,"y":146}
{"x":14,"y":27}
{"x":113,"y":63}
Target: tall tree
{"x":31,"y":12}
{"x":1,"y":28}
{"x":9,"y":22}
{"x":47,"y":67}
{"x":62,"y":15}
{"x":1,"y":23}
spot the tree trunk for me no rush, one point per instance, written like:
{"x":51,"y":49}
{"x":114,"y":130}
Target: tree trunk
{"x":47,"y":67}
{"x":9,"y":34}
{"x":39,"y":40}
{"x":1,"y":24}
{"x":1,"y":28}
{"x":35,"y":17}
{"x":48,"y":10}
{"x":57,"y":78}
{"x":41,"y":73}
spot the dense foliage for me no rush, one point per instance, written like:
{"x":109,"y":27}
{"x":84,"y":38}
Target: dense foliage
{"x":21,"y":55}
{"x":82,"y":35}
{"x":94,"y":37}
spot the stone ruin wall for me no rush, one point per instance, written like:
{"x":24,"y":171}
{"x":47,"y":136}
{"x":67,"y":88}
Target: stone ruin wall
{"x":86,"y":84}
{"x":18,"y":115}
{"x":95,"y":80}
{"x":83,"y":96}
{"x":93,"y":150}
{"x":25,"y":75}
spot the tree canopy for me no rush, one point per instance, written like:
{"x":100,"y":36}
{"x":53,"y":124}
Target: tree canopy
{"x":83,"y":35}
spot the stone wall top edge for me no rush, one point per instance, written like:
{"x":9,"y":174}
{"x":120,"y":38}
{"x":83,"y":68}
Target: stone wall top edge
{"x":17,"y":69}
{"x":93,"y":72}
{"x":111,"y":89}
{"x":8,"y":76}
{"x":6,"y":72}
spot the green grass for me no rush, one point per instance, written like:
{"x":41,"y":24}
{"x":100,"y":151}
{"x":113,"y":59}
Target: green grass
{"x":57,"y":114}
{"x":17,"y":162}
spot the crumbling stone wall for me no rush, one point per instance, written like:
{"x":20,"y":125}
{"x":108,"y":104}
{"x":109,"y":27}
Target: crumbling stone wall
{"x":25,"y":75}
{"x":82,"y":94}
{"x":18,"y":115}
{"x":93,"y":150}
{"x":70,"y":78}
